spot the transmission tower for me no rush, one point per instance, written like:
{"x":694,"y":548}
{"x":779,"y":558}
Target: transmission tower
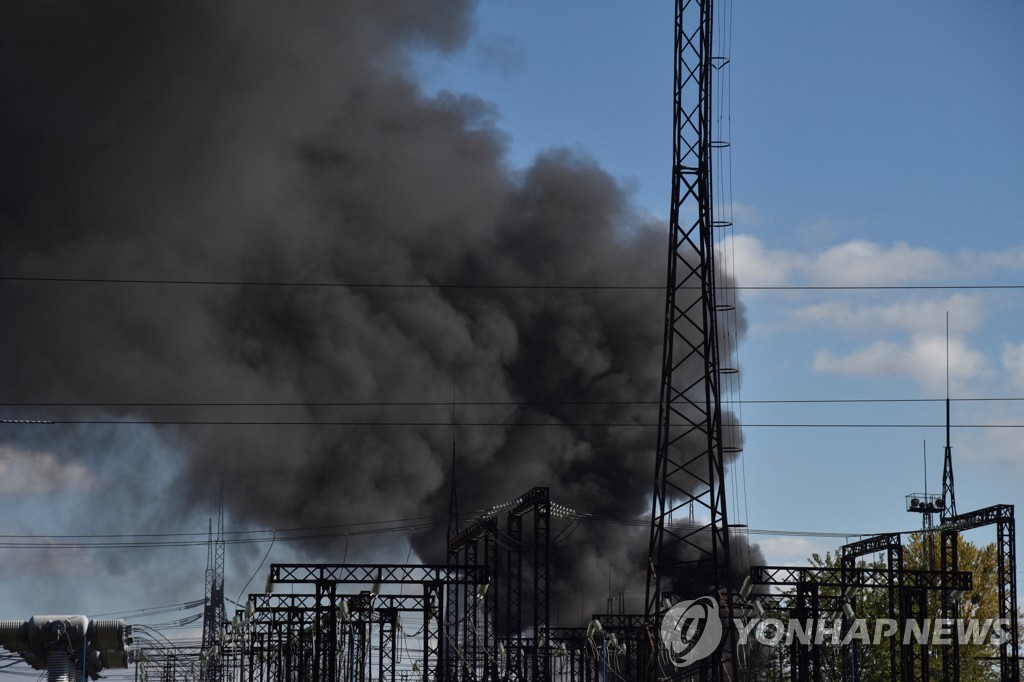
{"x":214,"y":614}
{"x":689,"y":543}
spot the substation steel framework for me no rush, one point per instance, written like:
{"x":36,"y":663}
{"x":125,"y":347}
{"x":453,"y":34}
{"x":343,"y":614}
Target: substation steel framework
{"x":690,"y":467}
{"x":630,"y":632}
{"x":806,"y":660}
{"x":529,"y":654}
{"x":1000,"y":516}
{"x":900,"y":659}
{"x":478,"y":634}
{"x":617,"y":651}
{"x":166,"y":664}
{"x":525,"y":657}
{"x":904,"y":601}
{"x":433,"y":580}
{"x":807,"y":600}
{"x":292,"y":636}
{"x":576,"y":662}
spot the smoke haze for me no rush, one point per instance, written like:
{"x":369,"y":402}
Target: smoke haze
{"x":258,"y":141}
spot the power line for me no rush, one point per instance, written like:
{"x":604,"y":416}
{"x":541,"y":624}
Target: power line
{"x":392,"y":525}
{"x":539,"y":287}
{"x":447,"y":424}
{"x":338,"y":285}
{"x":153,"y":610}
{"x":499,"y":403}
{"x":205,"y":534}
{"x":420,"y":403}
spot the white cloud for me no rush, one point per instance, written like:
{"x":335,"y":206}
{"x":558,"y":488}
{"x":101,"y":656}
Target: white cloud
{"x":918,"y":351}
{"x":863,"y":263}
{"x":922,"y":358}
{"x":854,"y":263}
{"x":754,"y":265}
{"x":26,"y":471}
{"x":920,"y":316}
{"x":858,"y":262}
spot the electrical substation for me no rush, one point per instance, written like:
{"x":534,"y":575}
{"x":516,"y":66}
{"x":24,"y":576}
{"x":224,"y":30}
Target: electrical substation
{"x":487,"y":613}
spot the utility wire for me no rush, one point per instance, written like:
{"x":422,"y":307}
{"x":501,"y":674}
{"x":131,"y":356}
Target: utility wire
{"x":205,"y":534}
{"x":153,"y":610}
{"x":503,"y":403}
{"x":447,"y":424}
{"x":339,"y":285}
{"x":538,"y":287}
{"x":399,"y":525}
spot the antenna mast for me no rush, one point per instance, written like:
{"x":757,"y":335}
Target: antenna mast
{"x":948,"y":495}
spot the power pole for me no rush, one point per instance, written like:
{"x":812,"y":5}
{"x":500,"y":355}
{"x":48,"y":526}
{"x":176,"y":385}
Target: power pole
{"x":214,"y":614}
{"x":689,"y":560}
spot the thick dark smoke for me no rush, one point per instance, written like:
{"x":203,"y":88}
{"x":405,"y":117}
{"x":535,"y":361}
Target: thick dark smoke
{"x":259,"y":141}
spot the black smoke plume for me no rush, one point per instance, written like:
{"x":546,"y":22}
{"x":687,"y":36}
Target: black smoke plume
{"x":259,"y":141}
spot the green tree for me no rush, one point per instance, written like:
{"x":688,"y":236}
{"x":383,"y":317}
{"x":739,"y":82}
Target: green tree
{"x":978,"y":661}
{"x":981,"y":603}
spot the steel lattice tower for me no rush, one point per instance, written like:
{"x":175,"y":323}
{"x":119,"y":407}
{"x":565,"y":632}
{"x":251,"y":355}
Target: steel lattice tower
{"x":950,"y":609}
{"x":214,"y":613}
{"x":948,"y":492}
{"x":691,"y":558}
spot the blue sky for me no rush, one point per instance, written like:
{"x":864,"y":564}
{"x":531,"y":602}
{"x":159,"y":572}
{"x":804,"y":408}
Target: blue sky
{"x":872,"y":144}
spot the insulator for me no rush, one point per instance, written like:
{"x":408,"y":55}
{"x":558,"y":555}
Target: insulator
{"x":58,"y":664}
{"x":114,"y":658}
{"x":107,"y":634}
{"x":12,"y":634}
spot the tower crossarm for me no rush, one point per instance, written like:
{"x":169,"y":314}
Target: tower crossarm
{"x":792,"y":576}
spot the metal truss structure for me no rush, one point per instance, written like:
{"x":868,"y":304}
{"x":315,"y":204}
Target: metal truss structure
{"x":612,"y":646}
{"x":473,"y":645}
{"x":432,"y":580}
{"x":522,"y":654}
{"x":629,"y":646}
{"x":691,"y":561}
{"x":1000,"y":516}
{"x":808,"y":581}
{"x":514,"y":647}
{"x":860,"y":577}
{"x":214,"y":612}
{"x":166,"y":663}
{"x":892,"y":545}
{"x":380,"y":574}
{"x":305,"y":636}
